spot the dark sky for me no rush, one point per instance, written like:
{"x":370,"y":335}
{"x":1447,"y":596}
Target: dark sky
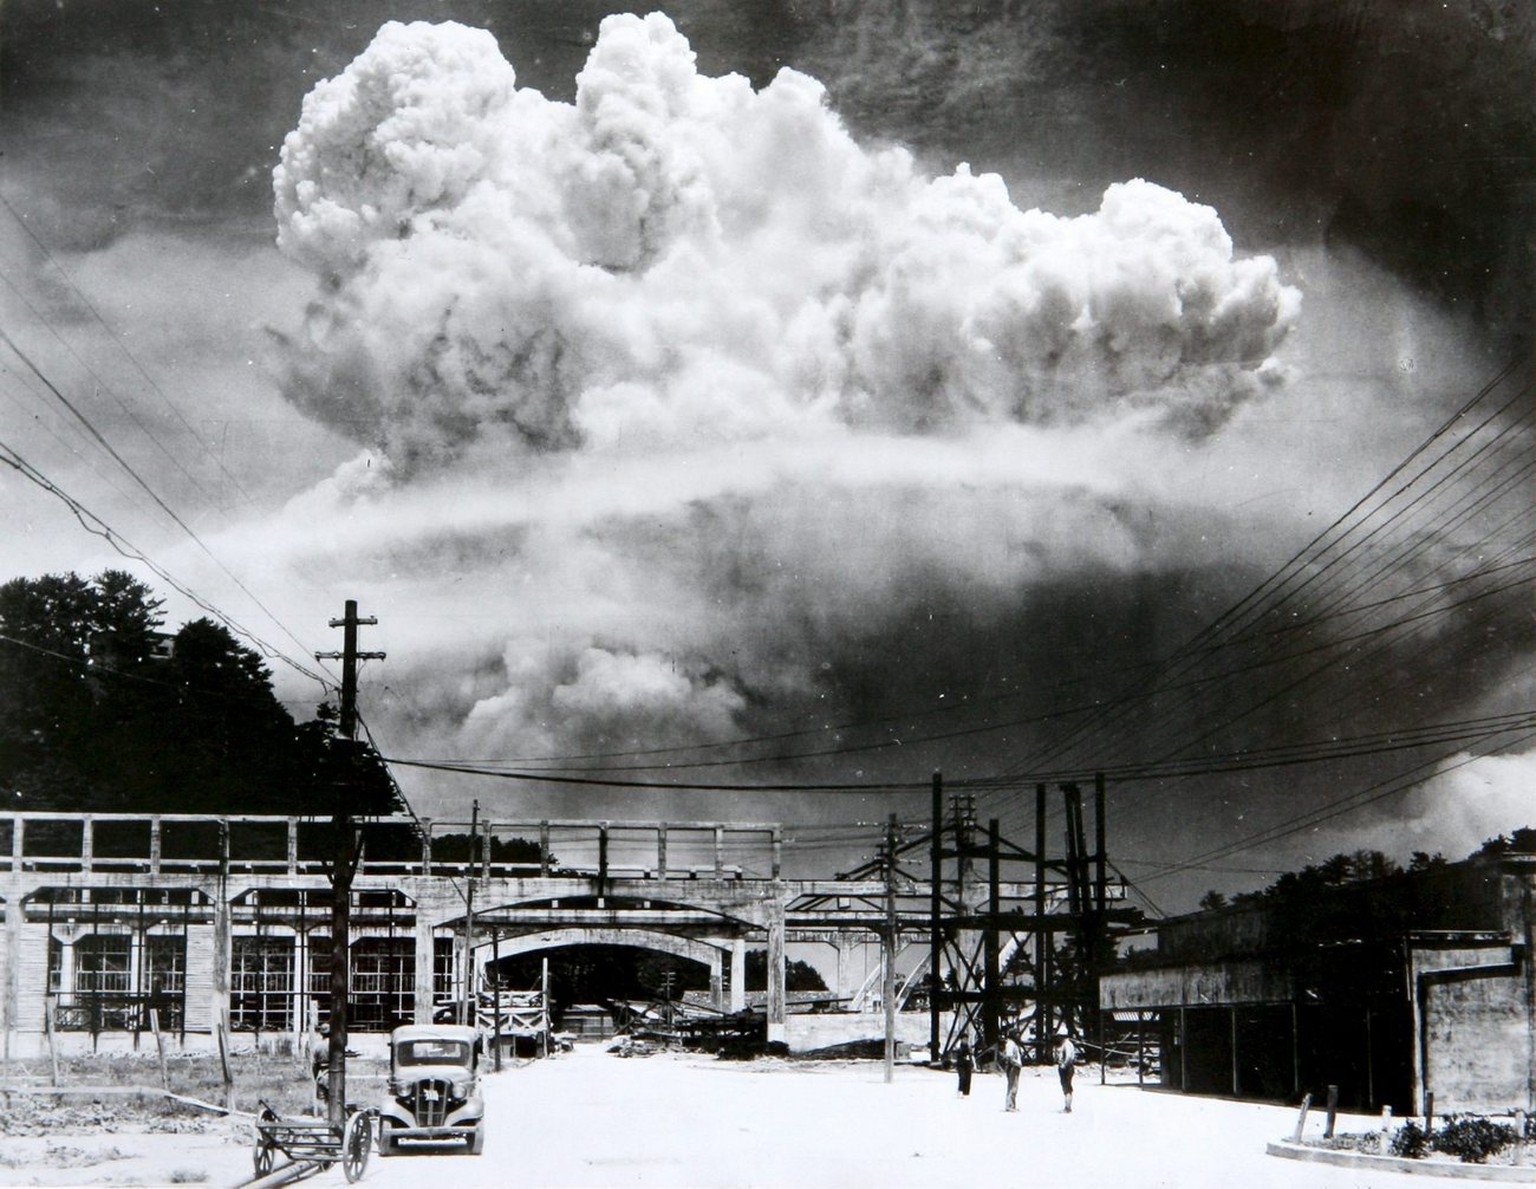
{"x":918,"y":581}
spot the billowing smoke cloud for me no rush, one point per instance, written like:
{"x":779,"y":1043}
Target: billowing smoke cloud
{"x":676,"y":256}
{"x":703,"y":405}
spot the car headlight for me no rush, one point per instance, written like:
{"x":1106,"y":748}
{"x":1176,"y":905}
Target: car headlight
{"x":460,"y":1089}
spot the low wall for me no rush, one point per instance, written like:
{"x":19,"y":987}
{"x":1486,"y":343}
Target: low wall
{"x":821,"y":1030}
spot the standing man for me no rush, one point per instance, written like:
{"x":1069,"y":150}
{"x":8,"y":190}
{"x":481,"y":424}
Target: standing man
{"x":1011,"y":1058}
{"x":1066,"y":1059}
{"x":963,"y":1067}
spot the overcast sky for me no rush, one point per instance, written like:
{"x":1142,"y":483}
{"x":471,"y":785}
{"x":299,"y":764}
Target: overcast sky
{"x":805,"y":394}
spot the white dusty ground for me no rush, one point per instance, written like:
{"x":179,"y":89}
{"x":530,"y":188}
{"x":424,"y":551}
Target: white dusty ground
{"x":686,"y":1122}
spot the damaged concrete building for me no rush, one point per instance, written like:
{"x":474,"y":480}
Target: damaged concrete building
{"x":1395,"y":989}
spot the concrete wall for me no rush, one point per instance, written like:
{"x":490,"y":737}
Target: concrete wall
{"x":820,"y":1030}
{"x":1473,"y":1024}
{"x":1203,"y":985}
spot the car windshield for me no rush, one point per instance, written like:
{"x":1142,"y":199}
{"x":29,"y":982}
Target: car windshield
{"x":432,"y":1052}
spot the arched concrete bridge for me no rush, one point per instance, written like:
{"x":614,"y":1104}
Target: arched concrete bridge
{"x":224,"y":921}
{"x":200,"y":924}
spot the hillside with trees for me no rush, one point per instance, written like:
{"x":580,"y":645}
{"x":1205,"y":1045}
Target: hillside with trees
{"x":103,"y":711}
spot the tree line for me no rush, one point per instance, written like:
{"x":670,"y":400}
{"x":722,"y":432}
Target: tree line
{"x":102,"y":711}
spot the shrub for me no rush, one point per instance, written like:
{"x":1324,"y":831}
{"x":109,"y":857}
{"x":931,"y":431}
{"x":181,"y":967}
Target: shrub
{"x":1472,"y":1139}
{"x":1410,"y":1140}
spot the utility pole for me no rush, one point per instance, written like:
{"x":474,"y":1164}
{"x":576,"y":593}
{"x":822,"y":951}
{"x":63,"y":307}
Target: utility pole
{"x":345,"y":864}
{"x":936,"y":987}
{"x":496,"y":966}
{"x":888,"y":951}
{"x":467,"y":1012}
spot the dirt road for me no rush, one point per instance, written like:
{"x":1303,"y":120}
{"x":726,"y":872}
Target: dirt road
{"x":680,"y":1122}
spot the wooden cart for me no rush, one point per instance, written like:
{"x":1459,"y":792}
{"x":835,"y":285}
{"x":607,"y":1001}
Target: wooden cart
{"x":307,"y":1140}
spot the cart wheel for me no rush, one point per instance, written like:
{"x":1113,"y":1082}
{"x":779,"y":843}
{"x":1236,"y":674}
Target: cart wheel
{"x":355,"y":1144}
{"x":261,"y":1158}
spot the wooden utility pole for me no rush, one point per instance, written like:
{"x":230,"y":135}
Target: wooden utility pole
{"x":888,"y":950}
{"x":496,"y":990}
{"x":935,"y":932}
{"x":344,"y":865}
{"x":467,"y":1014}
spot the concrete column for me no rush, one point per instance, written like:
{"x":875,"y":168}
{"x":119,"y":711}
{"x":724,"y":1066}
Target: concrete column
{"x":424,"y":957}
{"x":661,"y":851}
{"x":67,"y":963}
{"x":716,"y":990}
{"x":298,"y":1009}
{"x":87,"y":843}
{"x":738,"y":974}
{"x":9,"y":998}
{"x":841,"y":986}
{"x":154,"y":845}
{"x":778,"y":1007}
{"x":293,"y":846}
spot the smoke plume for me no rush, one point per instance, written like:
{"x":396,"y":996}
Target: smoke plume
{"x":675,"y":257}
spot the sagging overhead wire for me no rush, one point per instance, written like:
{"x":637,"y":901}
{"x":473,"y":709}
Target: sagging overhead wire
{"x":153,"y":495}
{"x":1392,"y":786}
{"x":606,"y":782}
{"x":1315,"y":583}
{"x":96,"y":526}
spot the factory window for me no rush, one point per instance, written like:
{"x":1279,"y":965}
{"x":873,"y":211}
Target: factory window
{"x":103,"y":964}
{"x":261,"y":984}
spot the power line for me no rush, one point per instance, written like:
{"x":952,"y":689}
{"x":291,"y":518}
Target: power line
{"x":1280,"y":591}
{"x":139,"y":479}
{"x":96,"y":526}
{"x":1379,"y":791}
{"x":602,"y":782}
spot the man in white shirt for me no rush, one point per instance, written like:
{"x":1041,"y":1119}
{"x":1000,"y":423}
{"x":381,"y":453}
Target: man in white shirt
{"x":1011,"y":1058}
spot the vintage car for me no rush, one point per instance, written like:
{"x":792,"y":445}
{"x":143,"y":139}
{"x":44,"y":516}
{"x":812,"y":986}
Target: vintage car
{"x":434,"y":1090}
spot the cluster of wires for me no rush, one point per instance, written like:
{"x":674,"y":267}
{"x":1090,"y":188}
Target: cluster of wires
{"x":45,"y":403}
{"x":1410,"y":586}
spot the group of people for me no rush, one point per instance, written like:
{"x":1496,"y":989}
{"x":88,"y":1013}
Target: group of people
{"x":1010,"y":1059}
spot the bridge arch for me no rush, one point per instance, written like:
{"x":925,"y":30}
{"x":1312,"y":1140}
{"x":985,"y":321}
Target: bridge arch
{"x":711,"y":954}
{"x":706,"y":952}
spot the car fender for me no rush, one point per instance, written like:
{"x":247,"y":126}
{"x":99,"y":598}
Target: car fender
{"x":392,"y":1110}
{"x":472,"y":1111}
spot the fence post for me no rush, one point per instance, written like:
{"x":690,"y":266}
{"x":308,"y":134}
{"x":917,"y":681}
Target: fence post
{"x":1333,"y":1110}
{"x":1386,"y":1130}
{"x":49,"y":1011}
{"x":229,"y":1078}
{"x":154,"y":1025}
{"x":1301,"y":1119}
